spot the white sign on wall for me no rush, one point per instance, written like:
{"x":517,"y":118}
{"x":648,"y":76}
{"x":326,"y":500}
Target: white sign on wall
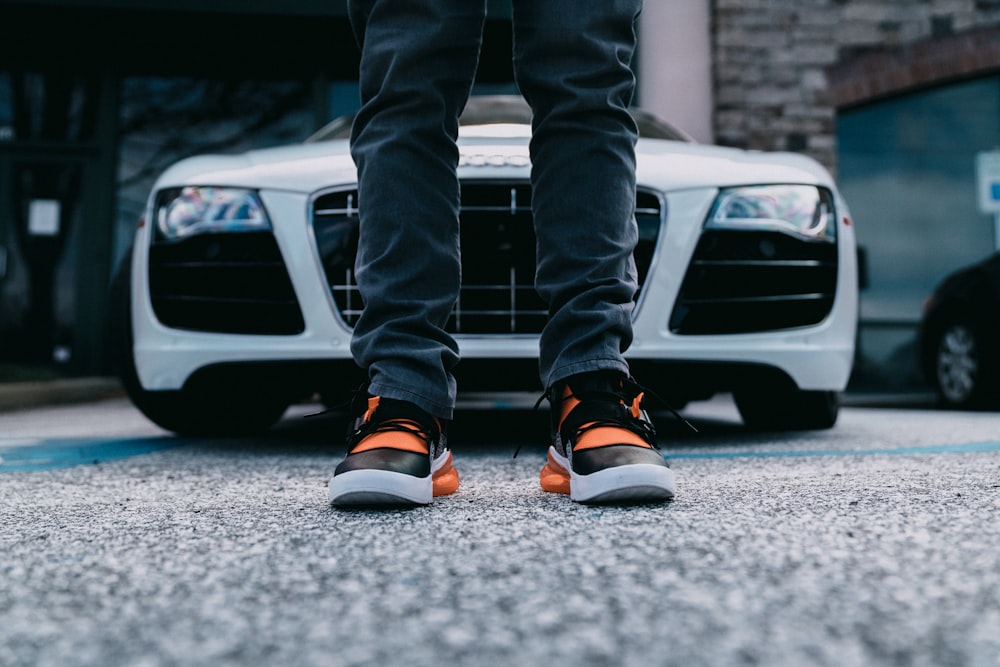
{"x":43,"y":217}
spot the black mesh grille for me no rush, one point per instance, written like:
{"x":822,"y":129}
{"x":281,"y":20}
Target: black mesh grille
{"x":498,"y":255}
{"x":747,"y":281}
{"x":226,"y":283}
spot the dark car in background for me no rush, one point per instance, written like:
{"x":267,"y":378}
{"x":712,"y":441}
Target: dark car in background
{"x":959,"y":338}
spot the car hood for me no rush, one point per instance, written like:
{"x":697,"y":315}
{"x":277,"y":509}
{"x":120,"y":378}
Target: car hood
{"x":666,"y":165}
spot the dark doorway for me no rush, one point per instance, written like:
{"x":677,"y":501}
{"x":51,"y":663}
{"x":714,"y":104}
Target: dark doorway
{"x":54,"y":205}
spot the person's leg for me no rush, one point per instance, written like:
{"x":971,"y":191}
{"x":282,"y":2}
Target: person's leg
{"x":418,"y":62}
{"x":572,"y":64}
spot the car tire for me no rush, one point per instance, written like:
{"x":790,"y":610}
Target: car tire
{"x":785,"y":409}
{"x":959,"y":366}
{"x":215,"y":411}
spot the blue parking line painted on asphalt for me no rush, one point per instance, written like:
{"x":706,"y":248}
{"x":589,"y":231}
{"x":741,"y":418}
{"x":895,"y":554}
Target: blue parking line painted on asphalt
{"x":23,"y":455}
{"x":962,"y":448}
{"x":26,"y":455}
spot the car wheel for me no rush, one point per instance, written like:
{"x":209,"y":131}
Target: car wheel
{"x":784,"y":409}
{"x":958,"y":366}
{"x":218,"y":411}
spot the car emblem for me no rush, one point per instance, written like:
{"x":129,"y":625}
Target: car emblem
{"x":495,"y":160}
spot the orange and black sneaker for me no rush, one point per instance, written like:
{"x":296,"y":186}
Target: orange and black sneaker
{"x":397,"y":455}
{"x":603,"y":444}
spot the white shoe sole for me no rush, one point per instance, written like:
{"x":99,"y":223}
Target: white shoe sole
{"x":380,"y":487}
{"x":635,"y":483}
{"x":384,"y":487}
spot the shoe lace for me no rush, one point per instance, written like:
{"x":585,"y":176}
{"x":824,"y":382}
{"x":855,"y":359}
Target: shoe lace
{"x":632,"y":398}
{"x":356,"y":435}
{"x":388,"y":416}
{"x":338,"y":408}
{"x":382,"y":420}
{"x":630,"y":386}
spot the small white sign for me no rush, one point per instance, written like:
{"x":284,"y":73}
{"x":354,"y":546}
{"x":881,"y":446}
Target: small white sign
{"x":988,"y":181}
{"x":43,"y":217}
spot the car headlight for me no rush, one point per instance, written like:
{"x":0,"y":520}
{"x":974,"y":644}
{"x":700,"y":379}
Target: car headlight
{"x":183,"y":212}
{"x":802,"y":210}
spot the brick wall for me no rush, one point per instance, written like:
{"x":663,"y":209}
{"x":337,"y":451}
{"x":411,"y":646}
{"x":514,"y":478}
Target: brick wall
{"x":783,"y":67}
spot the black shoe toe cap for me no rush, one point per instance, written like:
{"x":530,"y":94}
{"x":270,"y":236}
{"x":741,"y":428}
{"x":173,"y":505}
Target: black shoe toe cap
{"x":392,"y":460}
{"x":589,"y":461}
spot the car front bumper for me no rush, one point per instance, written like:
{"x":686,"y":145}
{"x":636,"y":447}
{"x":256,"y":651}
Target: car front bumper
{"x":818,"y":357}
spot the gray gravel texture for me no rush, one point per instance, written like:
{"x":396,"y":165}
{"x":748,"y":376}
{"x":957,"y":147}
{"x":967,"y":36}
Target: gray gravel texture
{"x":226,"y":553}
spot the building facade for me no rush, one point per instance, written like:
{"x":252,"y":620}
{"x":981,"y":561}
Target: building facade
{"x":98,"y":96}
{"x":897,"y":97}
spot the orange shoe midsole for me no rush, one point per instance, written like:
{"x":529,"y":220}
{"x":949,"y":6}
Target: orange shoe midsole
{"x":554,"y":477}
{"x":445,"y":478}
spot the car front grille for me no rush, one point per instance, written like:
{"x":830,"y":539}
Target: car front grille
{"x":224,"y":283}
{"x":751,"y":281}
{"x":498,"y":255}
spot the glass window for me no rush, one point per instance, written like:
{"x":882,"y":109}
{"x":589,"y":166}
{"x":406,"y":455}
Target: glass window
{"x":6,"y":108}
{"x":907,"y":169}
{"x":47,"y":107}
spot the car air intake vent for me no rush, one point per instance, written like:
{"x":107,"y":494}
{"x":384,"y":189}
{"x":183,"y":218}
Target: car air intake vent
{"x":751,"y":281}
{"x":225,"y":283}
{"x":498,"y":255}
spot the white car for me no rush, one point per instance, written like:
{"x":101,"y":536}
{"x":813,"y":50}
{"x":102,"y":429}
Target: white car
{"x":237,"y":299}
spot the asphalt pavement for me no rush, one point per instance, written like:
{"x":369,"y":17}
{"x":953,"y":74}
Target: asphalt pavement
{"x":874,"y":543}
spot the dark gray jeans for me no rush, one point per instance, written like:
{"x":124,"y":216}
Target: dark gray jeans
{"x":571,"y":63}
